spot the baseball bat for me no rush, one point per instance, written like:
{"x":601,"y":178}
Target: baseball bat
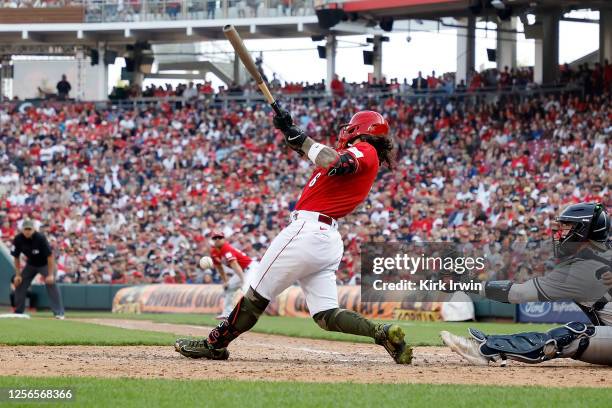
{"x":234,"y":38}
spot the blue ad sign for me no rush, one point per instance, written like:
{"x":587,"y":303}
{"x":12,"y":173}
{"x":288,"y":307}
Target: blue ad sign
{"x":550,"y":312}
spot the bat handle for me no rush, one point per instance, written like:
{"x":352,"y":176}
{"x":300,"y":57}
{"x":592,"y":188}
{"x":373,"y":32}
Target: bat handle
{"x":263,"y":87}
{"x":276,"y":108}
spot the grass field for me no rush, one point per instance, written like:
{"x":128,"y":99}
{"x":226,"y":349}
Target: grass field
{"x":95,"y":392}
{"x":42,"y":329}
{"x":418,"y":333}
{"x":51,"y":332}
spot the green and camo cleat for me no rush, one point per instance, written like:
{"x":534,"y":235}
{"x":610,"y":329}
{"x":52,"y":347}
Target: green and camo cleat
{"x":391,"y":337}
{"x":194,"y":348}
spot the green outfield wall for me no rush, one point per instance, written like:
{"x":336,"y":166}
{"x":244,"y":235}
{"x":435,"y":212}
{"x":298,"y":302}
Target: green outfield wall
{"x":100,"y":296}
{"x":6,"y":271}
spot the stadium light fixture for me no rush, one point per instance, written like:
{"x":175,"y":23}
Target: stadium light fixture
{"x":386,"y":24}
{"x":322,"y":51}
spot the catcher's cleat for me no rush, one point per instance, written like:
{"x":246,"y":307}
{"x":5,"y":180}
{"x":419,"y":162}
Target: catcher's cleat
{"x":466,"y":348}
{"x":194,"y":348}
{"x":391,"y":337}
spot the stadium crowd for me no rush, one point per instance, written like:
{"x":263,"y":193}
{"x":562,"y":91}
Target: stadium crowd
{"x":592,"y":80}
{"x":131,"y":195}
{"x":139,"y":10}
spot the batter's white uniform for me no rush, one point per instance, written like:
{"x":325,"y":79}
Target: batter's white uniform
{"x":309,"y":250}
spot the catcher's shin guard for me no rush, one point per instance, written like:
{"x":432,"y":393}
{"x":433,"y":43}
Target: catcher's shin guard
{"x":568,"y":341}
{"x":243,"y":318}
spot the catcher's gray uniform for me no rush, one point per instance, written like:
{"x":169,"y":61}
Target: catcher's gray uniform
{"x":577,"y":279}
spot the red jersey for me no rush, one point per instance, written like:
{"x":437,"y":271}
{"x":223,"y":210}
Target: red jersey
{"x":227,"y":254}
{"x":337,"y":196}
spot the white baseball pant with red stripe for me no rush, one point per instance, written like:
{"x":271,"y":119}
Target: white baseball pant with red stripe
{"x":308,"y":252}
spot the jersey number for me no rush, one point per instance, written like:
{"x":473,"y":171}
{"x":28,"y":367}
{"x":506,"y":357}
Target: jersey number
{"x":356,"y":152}
{"x":314,"y":179}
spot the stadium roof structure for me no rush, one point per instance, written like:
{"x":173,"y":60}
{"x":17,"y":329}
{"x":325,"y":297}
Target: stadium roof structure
{"x":168,"y":31}
{"x":75,"y":29}
{"x":433,"y":9}
{"x":544,"y":28}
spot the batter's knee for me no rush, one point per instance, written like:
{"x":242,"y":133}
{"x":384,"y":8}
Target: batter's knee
{"x":326,"y":318}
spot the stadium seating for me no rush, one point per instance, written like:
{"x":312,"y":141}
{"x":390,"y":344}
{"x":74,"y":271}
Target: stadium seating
{"x":128,"y":195}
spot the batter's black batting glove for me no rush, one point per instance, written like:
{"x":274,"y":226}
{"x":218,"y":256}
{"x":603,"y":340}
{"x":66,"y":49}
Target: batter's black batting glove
{"x":283,"y":122}
{"x":295,"y":137}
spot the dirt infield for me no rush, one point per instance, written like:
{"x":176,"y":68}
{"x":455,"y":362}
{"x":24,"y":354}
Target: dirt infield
{"x":277,"y":358}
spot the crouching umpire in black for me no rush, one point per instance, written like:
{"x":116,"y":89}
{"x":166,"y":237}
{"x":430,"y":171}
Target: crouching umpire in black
{"x":39,"y":259}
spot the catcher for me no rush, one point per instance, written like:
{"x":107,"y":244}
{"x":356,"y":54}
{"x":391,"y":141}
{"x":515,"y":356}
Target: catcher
{"x":584,"y":275}
{"x":310,"y":248}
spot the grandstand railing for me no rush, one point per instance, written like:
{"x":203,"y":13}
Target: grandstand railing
{"x":97,"y":11}
{"x":252,"y":97}
{"x":482,"y":95}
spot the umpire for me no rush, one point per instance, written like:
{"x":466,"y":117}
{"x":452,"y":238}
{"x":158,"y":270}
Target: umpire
{"x":36,"y":248}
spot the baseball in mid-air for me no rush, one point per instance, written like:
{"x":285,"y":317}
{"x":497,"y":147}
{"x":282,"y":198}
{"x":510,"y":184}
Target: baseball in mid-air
{"x":206,"y":262}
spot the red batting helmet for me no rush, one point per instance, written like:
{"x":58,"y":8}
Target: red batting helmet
{"x":363,"y":123}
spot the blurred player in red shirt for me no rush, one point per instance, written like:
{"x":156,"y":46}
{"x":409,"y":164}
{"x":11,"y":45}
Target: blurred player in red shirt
{"x":234,"y":267}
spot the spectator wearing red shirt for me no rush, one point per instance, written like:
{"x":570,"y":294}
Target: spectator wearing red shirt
{"x":337,"y":86}
{"x":432,"y":81}
{"x":476,"y":82}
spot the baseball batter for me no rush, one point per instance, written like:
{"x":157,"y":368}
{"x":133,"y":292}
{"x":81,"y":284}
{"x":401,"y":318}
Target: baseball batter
{"x":583,"y":275}
{"x":309,"y":249}
{"x":240,"y":266}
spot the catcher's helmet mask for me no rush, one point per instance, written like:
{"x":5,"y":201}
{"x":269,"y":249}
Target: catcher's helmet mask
{"x":583,"y":222}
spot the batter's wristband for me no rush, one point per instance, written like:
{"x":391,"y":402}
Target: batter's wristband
{"x":314,"y":151}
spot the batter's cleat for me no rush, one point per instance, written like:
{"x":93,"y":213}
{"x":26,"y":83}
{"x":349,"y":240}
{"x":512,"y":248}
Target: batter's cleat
{"x":466,"y":348}
{"x":391,"y":337}
{"x":194,"y":348}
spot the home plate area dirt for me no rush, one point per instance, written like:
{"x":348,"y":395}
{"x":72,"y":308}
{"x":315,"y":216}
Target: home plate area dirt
{"x":278,"y":358}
